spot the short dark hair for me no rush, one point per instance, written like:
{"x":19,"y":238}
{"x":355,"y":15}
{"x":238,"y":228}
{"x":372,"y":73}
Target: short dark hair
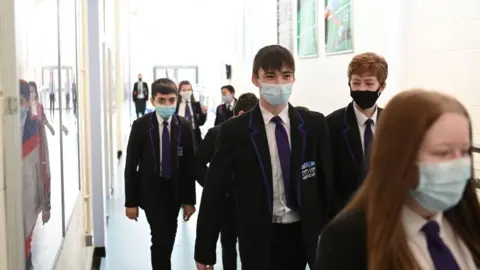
{"x":163,"y":86}
{"x":24,"y":89}
{"x":302,"y":109}
{"x":229,"y":88}
{"x":273,"y":57}
{"x":245,"y":102}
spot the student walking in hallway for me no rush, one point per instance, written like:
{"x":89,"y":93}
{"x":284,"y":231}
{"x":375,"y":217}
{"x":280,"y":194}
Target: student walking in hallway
{"x":159,"y":171}
{"x":279,"y":161}
{"x":140,"y":96}
{"x":203,"y":156}
{"x":352,"y":128}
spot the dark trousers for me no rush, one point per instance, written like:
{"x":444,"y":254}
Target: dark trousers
{"x":163,"y":227}
{"x":287,"y":251}
{"x":228,"y":236}
{"x":140,"y":106}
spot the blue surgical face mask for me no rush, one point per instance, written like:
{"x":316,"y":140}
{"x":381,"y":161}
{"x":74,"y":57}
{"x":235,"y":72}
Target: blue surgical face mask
{"x":165,"y":111}
{"x":276,"y":94}
{"x":442,"y":184}
{"x":227,"y":98}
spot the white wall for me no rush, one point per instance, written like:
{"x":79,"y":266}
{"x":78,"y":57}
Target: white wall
{"x":73,"y":254}
{"x":443,"y":51}
{"x":321,"y":83}
{"x":433,"y":44}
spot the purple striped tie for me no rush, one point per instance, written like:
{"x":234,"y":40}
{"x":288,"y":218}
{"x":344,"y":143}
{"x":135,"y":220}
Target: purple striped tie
{"x":284,"y":154}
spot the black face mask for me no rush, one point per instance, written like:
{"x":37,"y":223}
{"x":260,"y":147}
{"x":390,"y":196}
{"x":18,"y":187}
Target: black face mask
{"x":139,"y":79}
{"x":365,"y":99}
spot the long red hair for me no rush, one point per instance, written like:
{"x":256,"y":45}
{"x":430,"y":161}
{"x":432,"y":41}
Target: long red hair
{"x":393,"y":172}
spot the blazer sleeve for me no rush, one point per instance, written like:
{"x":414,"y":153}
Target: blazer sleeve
{"x":213,"y":197}
{"x":145,"y":86}
{"x":218,"y":116}
{"x":134,"y":153}
{"x":187,"y":175}
{"x":337,"y":187}
{"x":134,"y":92}
{"x":202,"y":116}
{"x":204,"y":155}
{"x":325,"y":169}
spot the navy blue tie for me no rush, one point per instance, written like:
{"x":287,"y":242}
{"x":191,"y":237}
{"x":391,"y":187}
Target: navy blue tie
{"x":166,"y":152}
{"x":188,"y":113}
{"x":284,"y":154}
{"x":441,"y":255}
{"x":367,"y":145}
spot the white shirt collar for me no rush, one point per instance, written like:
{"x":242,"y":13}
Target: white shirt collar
{"x":267,"y":116}
{"x":361,"y":118}
{"x":413,"y":222}
{"x":160,"y":120}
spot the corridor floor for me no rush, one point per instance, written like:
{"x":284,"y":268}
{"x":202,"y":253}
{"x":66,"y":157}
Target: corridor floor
{"x":128,"y":242}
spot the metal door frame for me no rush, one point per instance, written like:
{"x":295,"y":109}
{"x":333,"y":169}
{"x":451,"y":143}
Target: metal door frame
{"x":176,"y":68}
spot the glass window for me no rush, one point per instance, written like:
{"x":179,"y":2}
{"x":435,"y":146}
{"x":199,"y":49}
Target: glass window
{"x":41,"y":163}
{"x":68,"y":97}
{"x":47,"y":71}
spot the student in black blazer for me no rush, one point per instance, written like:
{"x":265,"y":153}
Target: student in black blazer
{"x":282,"y":192}
{"x":159,"y":171}
{"x":418,"y":207}
{"x":352,"y":128}
{"x":191,"y":110}
{"x":140,"y":96}
{"x":225,"y":110}
{"x":203,"y":156}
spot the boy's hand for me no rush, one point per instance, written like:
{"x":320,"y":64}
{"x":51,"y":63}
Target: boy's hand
{"x":188,"y":211}
{"x":132,"y":213}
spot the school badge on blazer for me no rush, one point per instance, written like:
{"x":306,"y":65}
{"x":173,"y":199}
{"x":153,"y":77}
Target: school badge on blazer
{"x":308,"y":170}
{"x":180,"y":151}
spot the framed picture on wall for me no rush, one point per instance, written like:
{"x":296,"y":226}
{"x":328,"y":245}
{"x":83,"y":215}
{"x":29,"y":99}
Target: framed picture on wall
{"x":285,"y":33}
{"x":307,"y":28}
{"x":338,"y":27}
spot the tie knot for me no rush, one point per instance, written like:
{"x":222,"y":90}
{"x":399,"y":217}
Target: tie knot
{"x":431,"y":229}
{"x":165,"y":123}
{"x":369,"y":122}
{"x":277,"y":120}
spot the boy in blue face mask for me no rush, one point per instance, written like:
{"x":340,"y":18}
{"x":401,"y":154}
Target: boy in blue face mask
{"x":279,"y":161}
{"x":159,"y":171}
{"x":352,"y":128}
{"x":225,"y":110}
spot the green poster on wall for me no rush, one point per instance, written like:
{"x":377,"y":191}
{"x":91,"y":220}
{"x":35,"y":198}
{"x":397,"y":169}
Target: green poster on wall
{"x":307,"y":41}
{"x":338,"y":27}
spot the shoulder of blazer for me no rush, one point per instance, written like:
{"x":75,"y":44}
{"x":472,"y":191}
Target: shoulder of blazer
{"x":143,"y":121}
{"x":183,"y":122}
{"x":220,"y":108}
{"x":352,"y":225}
{"x":336,"y":115}
{"x":236,"y":125}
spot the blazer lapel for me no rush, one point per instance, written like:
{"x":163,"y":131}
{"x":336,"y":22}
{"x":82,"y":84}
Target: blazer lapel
{"x":298,"y":142}
{"x":175,"y":133}
{"x":351,"y":135}
{"x":258,"y":136}
{"x":155,"y":141}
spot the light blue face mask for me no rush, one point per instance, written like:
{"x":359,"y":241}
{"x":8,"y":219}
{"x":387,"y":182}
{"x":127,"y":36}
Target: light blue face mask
{"x":165,"y":111}
{"x":441,"y":184}
{"x":276,"y":94}
{"x":227,"y":98}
